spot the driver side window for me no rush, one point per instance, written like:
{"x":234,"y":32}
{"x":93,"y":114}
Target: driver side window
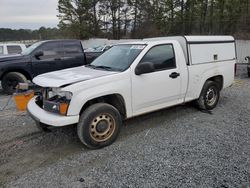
{"x":50,"y":51}
{"x":162,"y":57}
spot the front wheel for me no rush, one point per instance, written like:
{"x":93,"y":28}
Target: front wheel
{"x":209,"y":96}
{"x":99,"y":125}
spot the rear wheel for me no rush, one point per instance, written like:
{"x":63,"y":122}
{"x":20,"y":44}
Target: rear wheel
{"x":11,"y":80}
{"x":99,"y":125}
{"x":209,"y":96}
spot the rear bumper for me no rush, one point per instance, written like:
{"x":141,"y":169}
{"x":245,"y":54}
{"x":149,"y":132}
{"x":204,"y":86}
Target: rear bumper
{"x":42,"y":116}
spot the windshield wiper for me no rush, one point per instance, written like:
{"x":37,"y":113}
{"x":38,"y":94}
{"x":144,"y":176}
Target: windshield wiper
{"x":102,"y":67}
{"x":89,"y":65}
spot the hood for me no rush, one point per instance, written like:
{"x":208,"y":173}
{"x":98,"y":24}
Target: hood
{"x":69,"y":76}
{"x":10,"y":57}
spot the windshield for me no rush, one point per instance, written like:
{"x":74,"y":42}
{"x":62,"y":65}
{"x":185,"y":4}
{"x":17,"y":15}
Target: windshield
{"x":118,"y":58}
{"x":30,"y":49}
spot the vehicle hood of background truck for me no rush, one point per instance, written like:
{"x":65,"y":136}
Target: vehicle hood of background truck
{"x":5,"y":58}
{"x":69,"y":76}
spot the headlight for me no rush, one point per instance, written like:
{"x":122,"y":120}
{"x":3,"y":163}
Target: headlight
{"x":57,"y":101}
{"x":58,"y":92}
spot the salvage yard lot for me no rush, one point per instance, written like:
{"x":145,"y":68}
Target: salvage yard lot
{"x":176,"y":147}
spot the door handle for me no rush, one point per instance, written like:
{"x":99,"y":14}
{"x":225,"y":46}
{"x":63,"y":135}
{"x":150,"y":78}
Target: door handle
{"x":58,"y":59}
{"x":174,"y":75}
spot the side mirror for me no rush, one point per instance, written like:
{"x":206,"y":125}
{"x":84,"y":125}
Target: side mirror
{"x":38,"y":54}
{"x":145,"y":67}
{"x":247,"y":58}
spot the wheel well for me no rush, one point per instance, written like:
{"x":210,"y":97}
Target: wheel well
{"x":218,"y":80}
{"x":115,"y":100}
{"x":26,"y":74}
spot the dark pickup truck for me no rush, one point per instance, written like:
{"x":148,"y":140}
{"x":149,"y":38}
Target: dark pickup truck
{"x":41,"y":57}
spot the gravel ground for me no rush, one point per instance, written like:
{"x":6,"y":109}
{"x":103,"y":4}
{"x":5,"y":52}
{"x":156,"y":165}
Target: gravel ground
{"x":176,"y":147}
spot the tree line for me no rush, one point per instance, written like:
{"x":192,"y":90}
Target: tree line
{"x":27,"y":34}
{"x":116,"y":19}
{"x":149,"y":18}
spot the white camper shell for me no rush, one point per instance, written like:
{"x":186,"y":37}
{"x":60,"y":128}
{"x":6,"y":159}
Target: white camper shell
{"x":204,"y":49}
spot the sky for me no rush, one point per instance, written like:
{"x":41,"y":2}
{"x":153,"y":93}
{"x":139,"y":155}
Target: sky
{"x":28,"y":14}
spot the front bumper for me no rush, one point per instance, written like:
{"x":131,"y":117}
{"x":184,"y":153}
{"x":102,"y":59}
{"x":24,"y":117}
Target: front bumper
{"x":48,"y":118}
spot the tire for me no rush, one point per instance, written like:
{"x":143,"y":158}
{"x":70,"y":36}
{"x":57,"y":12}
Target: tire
{"x":10,"y":81}
{"x":209,"y":96}
{"x":99,"y":125}
{"x":43,"y":127}
{"x":248,"y":74}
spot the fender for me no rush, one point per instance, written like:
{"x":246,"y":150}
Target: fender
{"x":26,"y":73}
{"x":209,"y":70}
{"x":92,"y":89}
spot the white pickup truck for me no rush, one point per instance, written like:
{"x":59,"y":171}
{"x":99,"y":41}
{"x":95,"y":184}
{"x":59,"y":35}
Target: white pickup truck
{"x":132,"y":79}
{"x":11,"y":48}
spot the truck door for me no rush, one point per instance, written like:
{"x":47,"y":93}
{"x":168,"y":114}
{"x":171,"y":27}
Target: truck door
{"x":161,"y":87}
{"x":73,"y":55}
{"x":50,"y":60}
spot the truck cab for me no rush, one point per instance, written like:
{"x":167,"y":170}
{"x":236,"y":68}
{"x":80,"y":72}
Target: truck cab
{"x":132,"y":79}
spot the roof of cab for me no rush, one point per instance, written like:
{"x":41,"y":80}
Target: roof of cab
{"x":139,"y":42}
{"x":60,"y":40}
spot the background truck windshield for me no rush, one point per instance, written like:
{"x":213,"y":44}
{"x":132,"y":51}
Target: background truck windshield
{"x":30,"y":49}
{"x":119,"y":57}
